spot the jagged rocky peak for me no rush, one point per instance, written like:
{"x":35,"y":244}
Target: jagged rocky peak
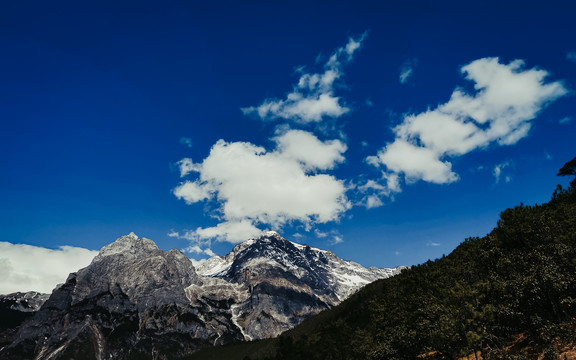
{"x":25,"y":302}
{"x":130,"y":302}
{"x":284,"y":282}
{"x":130,"y":246}
{"x":146,"y":274}
{"x":137,"y":301}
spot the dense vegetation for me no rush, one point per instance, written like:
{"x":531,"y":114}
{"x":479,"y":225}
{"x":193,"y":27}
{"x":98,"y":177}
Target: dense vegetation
{"x":510,"y":294}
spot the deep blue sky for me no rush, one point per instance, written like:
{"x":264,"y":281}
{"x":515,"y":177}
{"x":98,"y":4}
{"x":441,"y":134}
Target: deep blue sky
{"x":96,"y":96}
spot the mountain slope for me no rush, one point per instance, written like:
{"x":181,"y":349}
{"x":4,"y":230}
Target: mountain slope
{"x":136,"y":301}
{"x":15,"y":308}
{"x":520,"y":280}
{"x":282,"y":283}
{"x":129,"y":302}
{"x":510,"y":294}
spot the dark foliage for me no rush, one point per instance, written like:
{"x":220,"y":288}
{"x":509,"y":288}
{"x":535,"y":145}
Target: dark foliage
{"x":508,"y":295}
{"x":569,"y":169}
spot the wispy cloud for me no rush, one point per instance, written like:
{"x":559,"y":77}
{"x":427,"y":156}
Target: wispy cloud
{"x":432,"y":243}
{"x":571,"y":56}
{"x":27,"y":268}
{"x":497,"y":172}
{"x":333,"y":236}
{"x":565,"y":120}
{"x":312,"y":98}
{"x":186,"y":141}
{"x":336,"y":239}
{"x":407,"y":70}
{"x":186,"y":166}
{"x":373,"y":191}
{"x":506,"y":99}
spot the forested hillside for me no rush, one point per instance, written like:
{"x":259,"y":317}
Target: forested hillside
{"x":510,"y":294}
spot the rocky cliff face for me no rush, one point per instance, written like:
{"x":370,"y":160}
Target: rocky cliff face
{"x":129,"y":302}
{"x":15,"y":308}
{"x":279,"y":283}
{"x":136,"y":301}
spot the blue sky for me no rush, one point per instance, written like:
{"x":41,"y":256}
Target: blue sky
{"x":387,"y":132}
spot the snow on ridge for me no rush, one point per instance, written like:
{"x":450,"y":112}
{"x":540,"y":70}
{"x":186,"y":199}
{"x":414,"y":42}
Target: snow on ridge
{"x":347,"y":276}
{"x":301,"y":247}
{"x":213,"y":266}
{"x":269,"y":233}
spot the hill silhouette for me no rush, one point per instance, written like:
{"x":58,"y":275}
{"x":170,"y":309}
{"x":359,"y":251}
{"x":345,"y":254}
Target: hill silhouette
{"x":508,"y":295}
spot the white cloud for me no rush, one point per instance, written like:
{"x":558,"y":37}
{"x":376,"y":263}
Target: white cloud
{"x":407,"y":70}
{"x":373,"y":201}
{"x":312,"y":99}
{"x":334,"y":236}
{"x":565,"y":120}
{"x":196,"y":249}
{"x":309,"y":151}
{"x":254,"y":186}
{"x":32,"y":268}
{"x":373,"y":191}
{"x":405,"y":74}
{"x":431,"y":243}
{"x":229,"y":231}
{"x":193,"y":191}
{"x":506,"y":99}
{"x":193,"y":249}
{"x":186,"y":166}
{"x":336,"y":239}
{"x":497,"y":172}
{"x":416,"y":162}
{"x":571,"y":56}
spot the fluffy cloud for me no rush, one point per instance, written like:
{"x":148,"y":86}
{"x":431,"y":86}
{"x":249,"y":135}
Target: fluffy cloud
{"x":507,"y":97}
{"x":32,"y":268}
{"x":230,"y":231}
{"x":312,"y":98}
{"x":255,"y":186}
{"x":193,"y":191}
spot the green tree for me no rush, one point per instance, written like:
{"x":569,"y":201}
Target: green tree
{"x":569,"y":169}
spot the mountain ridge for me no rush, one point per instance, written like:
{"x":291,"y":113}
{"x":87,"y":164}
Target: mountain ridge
{"x":135,"y":300}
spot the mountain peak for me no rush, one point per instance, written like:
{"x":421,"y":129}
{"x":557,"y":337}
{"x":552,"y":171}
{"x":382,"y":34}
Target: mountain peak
{"x":129,"y":246}
{"x":269,"y":233}
{"x":155,"y":302}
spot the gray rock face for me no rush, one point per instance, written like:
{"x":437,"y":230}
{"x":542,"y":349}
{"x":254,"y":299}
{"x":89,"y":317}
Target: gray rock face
{"x":129,"y":302}
{"x":136,"y":301}
{"x":277,"y":284}
{"x":15,"y":308}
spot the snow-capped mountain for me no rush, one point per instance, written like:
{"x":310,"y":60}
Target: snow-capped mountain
{"x":136,"y":300}
{"x":284,"y":282}
{"x":270,"y":249}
